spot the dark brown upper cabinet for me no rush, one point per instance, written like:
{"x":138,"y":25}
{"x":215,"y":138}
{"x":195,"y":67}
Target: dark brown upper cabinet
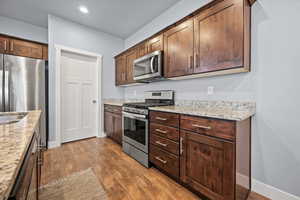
{"x":219,"y":37}
{"x":130,"y":56}
{"x":26,"y":49}
{"x":120,"y":70}
{"x":4,"y":44}
{"x":142,"y":49}
{"x":45,"y":52}
{"x":156,"y":43}
{"x":213,"y":40}
{"x":179,"y":50}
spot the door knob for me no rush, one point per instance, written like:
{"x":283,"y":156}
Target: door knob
{"x":94,"y":101}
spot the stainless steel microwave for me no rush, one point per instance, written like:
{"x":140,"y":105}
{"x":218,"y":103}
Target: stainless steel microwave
{"x":148,"y":68}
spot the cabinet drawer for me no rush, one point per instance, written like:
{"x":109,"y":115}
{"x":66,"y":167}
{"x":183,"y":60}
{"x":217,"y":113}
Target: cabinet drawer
{"x":165,"y":144}
{"x":167,"y":119}
{"x":164,"y":131}
{"x":164,"y":160}
{"x":213,"y":127}
{"x":113,"y":109}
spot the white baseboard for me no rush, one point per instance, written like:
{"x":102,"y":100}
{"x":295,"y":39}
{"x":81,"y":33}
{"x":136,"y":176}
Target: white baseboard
{"x":103,"y":135}
{"x":266,"y":190}
{"x":53,"y":144}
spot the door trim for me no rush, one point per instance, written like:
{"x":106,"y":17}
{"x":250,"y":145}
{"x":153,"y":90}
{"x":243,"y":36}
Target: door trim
{"x":58,"y":85}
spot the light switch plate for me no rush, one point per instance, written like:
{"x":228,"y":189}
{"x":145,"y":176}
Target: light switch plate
{"x":210,"y":90}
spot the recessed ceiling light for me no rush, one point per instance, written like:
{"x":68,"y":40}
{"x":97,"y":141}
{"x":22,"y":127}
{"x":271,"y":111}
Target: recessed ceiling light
{"x":84,"y":9}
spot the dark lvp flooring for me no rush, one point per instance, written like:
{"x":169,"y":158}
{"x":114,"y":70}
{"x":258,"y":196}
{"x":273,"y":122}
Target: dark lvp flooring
{"x":121,"y":176}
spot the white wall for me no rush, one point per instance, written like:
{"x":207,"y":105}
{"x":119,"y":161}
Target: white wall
{"x":23,"y":30}
{"x":77,"y":36}
{"x":273,"y":83}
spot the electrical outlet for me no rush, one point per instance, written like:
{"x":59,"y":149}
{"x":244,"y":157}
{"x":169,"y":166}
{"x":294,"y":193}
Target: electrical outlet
{"x":134,"y":93}
{"x":210,"y":90}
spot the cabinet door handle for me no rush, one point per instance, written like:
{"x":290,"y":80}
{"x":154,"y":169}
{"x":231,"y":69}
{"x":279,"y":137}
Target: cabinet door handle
{"x":199,"y":126}
{"x":161,"y":144}
{"x":161,"y":131}
{"x":161,"y":160}
{"x":160,"y":118}
{"x":11,"y":46}
{"x":181,"y":145}
{"x":191,"y":62}
{"x":197,"y":60}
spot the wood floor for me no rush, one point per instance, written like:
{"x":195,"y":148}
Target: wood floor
{"x":121,"y":176}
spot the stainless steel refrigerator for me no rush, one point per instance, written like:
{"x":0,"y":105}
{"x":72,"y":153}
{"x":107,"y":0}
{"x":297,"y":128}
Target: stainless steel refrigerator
{"x":22,"y":83}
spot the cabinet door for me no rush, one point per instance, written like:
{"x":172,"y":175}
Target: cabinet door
{"x":120,"y":70}
{"x":26,"y":49}
{"x":108,"y":124}
{"x":45,"y":52}
{"x":4,"y":44}
{"x":207,"y":165}
{"x":219,"y":37}
{"x":178,"y":49}
{"x":118,"y":128}
{"x":142,"y":49}
{"x":156,"y":44}
{"x":130,"y":57}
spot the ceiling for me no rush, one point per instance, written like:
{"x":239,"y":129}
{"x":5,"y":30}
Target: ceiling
{"x":117,"y":17}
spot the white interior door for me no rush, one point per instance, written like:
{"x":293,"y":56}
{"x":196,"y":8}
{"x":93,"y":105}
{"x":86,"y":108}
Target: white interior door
{"x":79,"y":101}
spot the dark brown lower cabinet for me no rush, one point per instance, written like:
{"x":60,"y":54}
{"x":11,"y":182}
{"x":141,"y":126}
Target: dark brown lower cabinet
{"x":206,"y":164}
{"x":212,"y":157}
{"x":113,"y":122}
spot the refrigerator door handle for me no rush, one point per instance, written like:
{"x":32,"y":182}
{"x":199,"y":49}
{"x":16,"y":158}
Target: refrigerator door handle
{"x":6,"y":90}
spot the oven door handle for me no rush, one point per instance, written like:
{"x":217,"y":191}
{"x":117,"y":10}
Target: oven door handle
{"x":134,"y":116}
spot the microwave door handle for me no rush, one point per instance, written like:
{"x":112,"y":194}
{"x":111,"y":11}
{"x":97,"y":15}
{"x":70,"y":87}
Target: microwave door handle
{"x":151,"y":64}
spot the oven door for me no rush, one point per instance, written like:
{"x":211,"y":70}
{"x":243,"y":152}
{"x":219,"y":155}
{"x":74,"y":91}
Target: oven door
{"x":148,"y":66}
{"x":135,"y":130}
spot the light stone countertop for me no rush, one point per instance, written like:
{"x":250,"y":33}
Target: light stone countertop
{"x":120,"y":102}
{"x":14,"y":142}
{"x":236,"y":111}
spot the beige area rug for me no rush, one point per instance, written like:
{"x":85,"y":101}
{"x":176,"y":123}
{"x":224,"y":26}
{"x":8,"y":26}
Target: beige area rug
{"x":82,"y":185}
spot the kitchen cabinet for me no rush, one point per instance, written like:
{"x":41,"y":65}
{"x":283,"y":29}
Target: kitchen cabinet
{"x":120,"y":70}
{"x":113,"y":122}
{"x":129,"y":59}
{"x":207,"y":165}
{"x":219,"y":38}
{"x":164,"y":142}
{"x":26,"y":184}
{"x":207,"y":155}
{"x":179,"y":50}
{"x":19,"y":47}
{"x":4,"y":44}
{"x":26,"y":49}
{"x":142,"y":49}
{"x":45,"y":52}
{"x":213,"y":40}
{"x":155,"y":44}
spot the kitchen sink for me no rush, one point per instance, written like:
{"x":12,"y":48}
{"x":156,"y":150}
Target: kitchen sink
{"x":7,"y":118}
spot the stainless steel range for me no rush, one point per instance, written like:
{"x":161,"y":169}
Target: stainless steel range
{"x":136,"y":124}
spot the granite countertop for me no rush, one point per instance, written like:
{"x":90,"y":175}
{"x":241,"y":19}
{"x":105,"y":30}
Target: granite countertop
{"x":14,"y":142}
{"x":236,"y":111}
{"x":120,"y":102}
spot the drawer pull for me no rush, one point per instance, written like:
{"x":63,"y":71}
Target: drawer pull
{"x":161,"y":160}
{"x":161,"y":144}
{"x":199,"y":126}
{"x":181,"y":145}
{"x":160,"y":131}
{"x":160,"y":118}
